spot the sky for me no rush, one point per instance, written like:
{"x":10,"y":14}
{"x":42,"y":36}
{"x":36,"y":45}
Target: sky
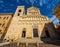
{"x":46,"y":6}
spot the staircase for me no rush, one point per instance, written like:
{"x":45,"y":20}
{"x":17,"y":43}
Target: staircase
{"x":47,"y":43}
{"x":29,"y":45}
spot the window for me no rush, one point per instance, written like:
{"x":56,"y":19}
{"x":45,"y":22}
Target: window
{"x":3,"y":24}
{"x":0,"y":17}
{"x":0,"y":24}
{"x":18,"y":14}
{"x":20,"y":10}
{"x":12,"y":40}
{"x":24,"y":33}
{"x":4,"y":39}
{"x":35,"y":32}
{"x":5,"y":18}
{"x":47,"y":33}
{"x":0,"y":32}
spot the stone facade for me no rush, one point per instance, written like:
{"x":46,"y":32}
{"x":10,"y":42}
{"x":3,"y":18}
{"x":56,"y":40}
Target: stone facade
{"x":5,"y":19}
{"x":29,"y":27}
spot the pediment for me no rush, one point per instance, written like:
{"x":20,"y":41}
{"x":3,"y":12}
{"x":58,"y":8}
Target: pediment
{"x":33,"y":9}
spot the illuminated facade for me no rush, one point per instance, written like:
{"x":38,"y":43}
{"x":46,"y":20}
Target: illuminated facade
{"x":30,"y":27}
{"x":5,"y":19}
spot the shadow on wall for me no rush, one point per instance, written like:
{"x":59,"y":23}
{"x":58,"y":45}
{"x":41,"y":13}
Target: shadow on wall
{"x":47,"y":35}
{"x":58,"y":31}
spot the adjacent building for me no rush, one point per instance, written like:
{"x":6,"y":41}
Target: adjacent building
{"x":30,"y":27}
{"x":57,"y":14}
{"x":57,"y":11}
{"x":5,"y":19}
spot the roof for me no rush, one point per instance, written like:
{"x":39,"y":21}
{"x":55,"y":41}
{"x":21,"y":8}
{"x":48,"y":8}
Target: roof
{"x":33,"y":8}
{"x":6,"y":13}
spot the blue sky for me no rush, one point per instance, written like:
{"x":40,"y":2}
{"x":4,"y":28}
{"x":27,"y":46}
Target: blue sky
{"x":46,"y":6}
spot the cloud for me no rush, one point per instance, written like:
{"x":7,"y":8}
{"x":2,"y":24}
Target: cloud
{"x":54,"y":19}
{"x":27,"y":1}
{"x":32,"y":1}
{"x":1,"y":1}
{"x":41,"y":2}
{"x":17,"y":1}
{"x":1,"y":5}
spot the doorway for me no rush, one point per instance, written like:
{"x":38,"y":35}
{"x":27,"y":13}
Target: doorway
{"x":35,"y":32}
{"x":24,"y":33}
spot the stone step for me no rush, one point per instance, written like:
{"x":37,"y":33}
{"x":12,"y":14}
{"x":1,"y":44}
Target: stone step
{"x":30,"y":45}
{"x":4,"y":43}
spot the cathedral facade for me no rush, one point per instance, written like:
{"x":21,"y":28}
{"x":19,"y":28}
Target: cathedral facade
{"x":30,"y":27}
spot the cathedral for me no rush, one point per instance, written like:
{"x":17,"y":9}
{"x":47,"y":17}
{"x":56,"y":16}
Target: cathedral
{"x":30,"y":27}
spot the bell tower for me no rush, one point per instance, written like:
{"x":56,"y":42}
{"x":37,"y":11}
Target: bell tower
{"x":20,"y":11}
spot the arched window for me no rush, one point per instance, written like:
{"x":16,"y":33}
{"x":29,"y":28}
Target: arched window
{"x":18,"y":14}
{"x":20,"y":10}
{"x":5,"y":18}
{"x":24,"y":32}
{"x":0,"y":31}
{"x":35,"y":32}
